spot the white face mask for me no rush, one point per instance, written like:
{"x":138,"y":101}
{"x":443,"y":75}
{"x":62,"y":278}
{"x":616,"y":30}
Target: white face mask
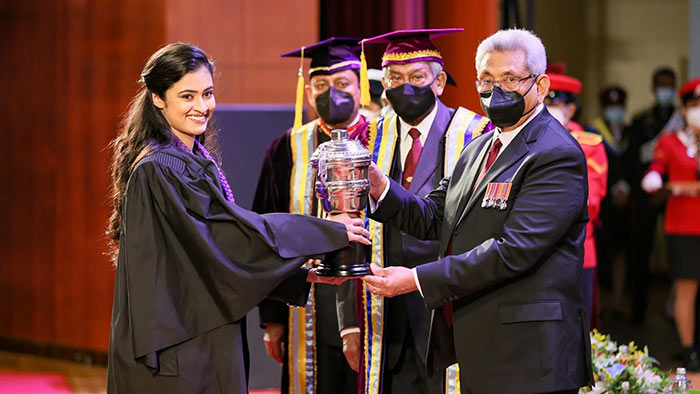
{"x":558,"y":113}
{"x":692,"y":116}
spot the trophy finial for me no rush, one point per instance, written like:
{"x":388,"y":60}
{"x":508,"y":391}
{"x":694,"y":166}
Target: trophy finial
{"x":339,"y":134}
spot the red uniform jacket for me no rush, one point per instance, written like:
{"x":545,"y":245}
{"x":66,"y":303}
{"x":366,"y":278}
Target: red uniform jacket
{"x":671,"y":159}
{"x":597,"y":163}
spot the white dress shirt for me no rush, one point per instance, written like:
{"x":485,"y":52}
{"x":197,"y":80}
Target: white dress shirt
{"x":507,"y":137}
{"x":423,"y":127}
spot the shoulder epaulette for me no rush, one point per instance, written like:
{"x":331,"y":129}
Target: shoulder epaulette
{"x":166,"y":160}
{"x":587,"y":138}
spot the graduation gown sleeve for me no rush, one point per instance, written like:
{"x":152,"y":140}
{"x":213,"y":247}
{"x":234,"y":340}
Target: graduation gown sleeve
{"x":191,"y":262}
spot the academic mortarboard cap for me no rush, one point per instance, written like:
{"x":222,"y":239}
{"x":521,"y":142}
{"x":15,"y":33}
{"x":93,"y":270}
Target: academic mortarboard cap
{"x":690,"y":90}
{"x":403,"y":47}
{"x":327,"y":57}
{"x":330,"y":55}
{"x":408,"y":46}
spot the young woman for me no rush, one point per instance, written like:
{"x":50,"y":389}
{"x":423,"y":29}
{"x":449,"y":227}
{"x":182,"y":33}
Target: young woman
{"x":190,"y":262}
{"x":677,"y":157}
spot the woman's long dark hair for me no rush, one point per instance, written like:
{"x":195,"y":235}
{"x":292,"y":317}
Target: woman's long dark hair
{"x":144,"y":129}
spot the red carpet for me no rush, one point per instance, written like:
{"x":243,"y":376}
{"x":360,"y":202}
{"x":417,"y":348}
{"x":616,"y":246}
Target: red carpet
{"x":12,"y":382}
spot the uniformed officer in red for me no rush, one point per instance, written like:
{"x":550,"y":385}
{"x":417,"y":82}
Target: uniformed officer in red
{"x":563,"y":103}
{"x":676,"y":169}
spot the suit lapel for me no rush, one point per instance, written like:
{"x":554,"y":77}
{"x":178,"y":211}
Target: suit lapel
{"x":427,"y":164}
{"x":513,"y":152}
{"x":463,"y":187}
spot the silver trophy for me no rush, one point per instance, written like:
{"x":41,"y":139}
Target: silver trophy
{"x":341,"y":169}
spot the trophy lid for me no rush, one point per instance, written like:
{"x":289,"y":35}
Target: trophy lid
{"x":342,"y":148}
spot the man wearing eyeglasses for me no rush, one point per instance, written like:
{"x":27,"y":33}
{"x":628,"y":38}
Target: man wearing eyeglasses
{"x":505,"y":290}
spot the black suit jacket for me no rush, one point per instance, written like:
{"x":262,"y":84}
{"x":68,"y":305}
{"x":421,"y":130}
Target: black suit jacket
{"x":514,"y":276}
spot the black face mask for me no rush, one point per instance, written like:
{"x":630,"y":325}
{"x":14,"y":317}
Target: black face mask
{"x":504,"y":108}
{"x":335,"y":106}
{"x":411,"y":102}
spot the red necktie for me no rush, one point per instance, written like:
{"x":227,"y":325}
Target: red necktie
{"x":493,"y":154}
{"x":412,"y":159}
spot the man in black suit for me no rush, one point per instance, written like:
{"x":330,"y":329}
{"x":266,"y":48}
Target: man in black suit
{"x":416,"y":145}
{"x":645,"y":208}
{"x":506,"y":288}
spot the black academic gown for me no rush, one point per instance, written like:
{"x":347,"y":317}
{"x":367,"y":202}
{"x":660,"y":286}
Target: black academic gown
{"x":190,"y":266}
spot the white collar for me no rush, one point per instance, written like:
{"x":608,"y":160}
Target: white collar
{"x":508,"y":136}
{"x":687,"y":138}
{"x":424,"y":125}
{"x":357,"y":119}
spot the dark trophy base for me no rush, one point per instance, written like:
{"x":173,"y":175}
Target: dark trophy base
{"x":349,"y":261}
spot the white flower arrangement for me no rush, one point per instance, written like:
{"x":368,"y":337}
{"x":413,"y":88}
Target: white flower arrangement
{"x":624,"y":369}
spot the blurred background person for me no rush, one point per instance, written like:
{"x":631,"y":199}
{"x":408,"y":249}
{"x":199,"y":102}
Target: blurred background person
{"x":676,"y":159}
{"x":611,"y":123}
{"x":563,"y":103}
{"x":645,"y":209}
{"x":376,"y":91}
{"x":613,"y":235}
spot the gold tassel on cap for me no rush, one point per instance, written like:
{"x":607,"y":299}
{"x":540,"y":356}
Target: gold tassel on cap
{"x":298,"y":105}
{"x":364,"y":79}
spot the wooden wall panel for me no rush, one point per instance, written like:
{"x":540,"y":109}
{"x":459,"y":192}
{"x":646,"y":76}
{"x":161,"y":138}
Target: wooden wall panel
{"x":26,"y":278}
{"x":245,"y":39}
{"x":479,"y":20}
{"x":73,"y":69}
